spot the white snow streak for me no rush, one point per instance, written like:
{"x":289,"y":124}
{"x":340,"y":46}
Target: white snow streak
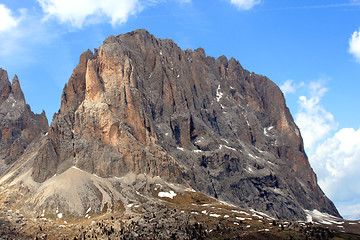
{"x":170,"y":194}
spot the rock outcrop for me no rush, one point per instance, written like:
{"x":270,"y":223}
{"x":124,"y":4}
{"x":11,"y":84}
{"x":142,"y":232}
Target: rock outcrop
{"x":142,"y":105}
{"x":19,"y":126}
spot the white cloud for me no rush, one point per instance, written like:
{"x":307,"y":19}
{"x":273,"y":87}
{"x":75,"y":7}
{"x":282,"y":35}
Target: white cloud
{"x":77,"y":12}
{"x":313,"y":120}
{"x":350,"y":211}
{"x":354,"y":45}
{"x":335,"y":158}
{"x":245,"y":4}
{"x":337,"y":163}
{"x":7,"y":20}
{"x":288,"y":87}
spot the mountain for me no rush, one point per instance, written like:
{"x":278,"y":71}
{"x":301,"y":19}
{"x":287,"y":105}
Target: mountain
{"x":140,"y":117}
{"x":19,"y":126}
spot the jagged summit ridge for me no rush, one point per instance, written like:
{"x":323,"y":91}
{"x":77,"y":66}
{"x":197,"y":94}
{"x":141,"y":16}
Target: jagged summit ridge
{"x":19,"y":125}
{"x":142,"y":105}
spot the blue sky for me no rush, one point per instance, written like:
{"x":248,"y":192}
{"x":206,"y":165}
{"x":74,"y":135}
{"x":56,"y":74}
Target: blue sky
{"x":311,"y":48}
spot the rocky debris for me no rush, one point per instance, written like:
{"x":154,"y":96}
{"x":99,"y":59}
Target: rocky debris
{"x":142,"y":105}
{"x":12,"y":224}
{"x":189,"y":216}
{"x":19,"y":126}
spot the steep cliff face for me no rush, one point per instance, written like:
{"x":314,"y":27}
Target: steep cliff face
{"x":141,"y":104}
{"x":19,"y":126}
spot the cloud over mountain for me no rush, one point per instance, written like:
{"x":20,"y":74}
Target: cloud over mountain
{"x":334,"y":154}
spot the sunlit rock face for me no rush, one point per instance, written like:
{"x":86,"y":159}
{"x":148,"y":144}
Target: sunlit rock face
{"x":142,"y":105}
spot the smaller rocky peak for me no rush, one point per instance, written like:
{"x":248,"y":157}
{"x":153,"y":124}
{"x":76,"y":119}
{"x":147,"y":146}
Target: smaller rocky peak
{"x":4,"y":79}
{"x":16,"y":89}
{"x":200,"y":52}
{"x":110,"y":39}
{"x":85,"y":56}
{"x":5,"y":86}
{"x":234,"y":65}
{"x":142,"y":32}
{"x":42,"y":121}
{"x":222,"y":60}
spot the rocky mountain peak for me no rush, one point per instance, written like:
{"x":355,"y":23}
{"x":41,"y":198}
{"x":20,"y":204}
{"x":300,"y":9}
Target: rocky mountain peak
{"x":19,"y":125}
{"x":141,"y":105}
{"x":16,"y":89}
{"x":5,"y":86}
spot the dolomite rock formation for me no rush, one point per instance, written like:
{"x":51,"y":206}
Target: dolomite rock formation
{"x":19,"y":126}
{"x":142,"y":105}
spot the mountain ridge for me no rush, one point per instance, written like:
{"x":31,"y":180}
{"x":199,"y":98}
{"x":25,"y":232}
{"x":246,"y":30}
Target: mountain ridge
{"x":141,"y":105}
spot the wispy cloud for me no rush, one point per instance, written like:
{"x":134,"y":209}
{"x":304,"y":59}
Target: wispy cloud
{"x":290,"y":87}
{"x":7,"y":19}
{"x":245,"y":4}
{"x":322,"y":6}
{"x":334,"y":154}
{"x":314,"y":121}
{"x":77,"y":12}
{"x":354,"y":45}
{"x":337,"y":164}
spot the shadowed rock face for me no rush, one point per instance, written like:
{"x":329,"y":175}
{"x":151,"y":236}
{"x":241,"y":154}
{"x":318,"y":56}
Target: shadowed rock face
{"x":141,"y":104}
{"x":19,"y":126}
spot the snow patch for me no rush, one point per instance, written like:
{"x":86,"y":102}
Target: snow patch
{"x":218,"y":94}
{"x":180,"y":148}
{"x":199,"y":140}
{"x":59,"y":215}
{"x":221,"y":146}
{"x":170,"y":194}
{"x":262,"y":214}
{"x":325,"y":218}
{"x":190,"y":190}
{"x":250,"y":155}
{"x":214,"y":215}
{"x":241,"y":212}
{"x":266,"y":130}
{"x":89,"y":209}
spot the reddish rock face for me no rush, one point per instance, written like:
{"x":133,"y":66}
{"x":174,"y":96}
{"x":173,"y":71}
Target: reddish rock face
{"x":141,"y":104}
{"x":19,"y":125}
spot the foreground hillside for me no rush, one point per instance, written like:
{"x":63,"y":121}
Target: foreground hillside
{"x":171,"y":213}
